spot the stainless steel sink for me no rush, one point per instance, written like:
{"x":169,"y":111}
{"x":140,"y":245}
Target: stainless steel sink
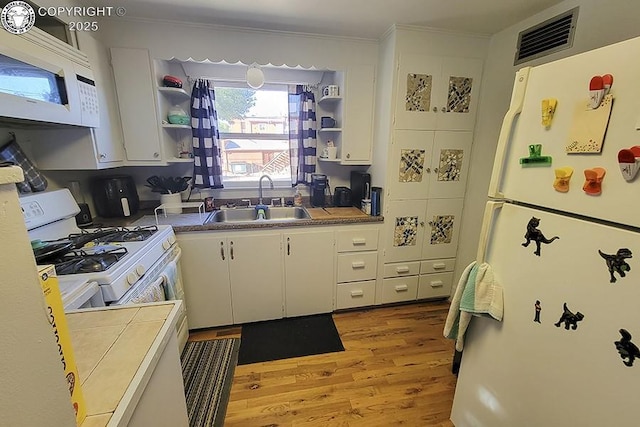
{"x":240,"y":215}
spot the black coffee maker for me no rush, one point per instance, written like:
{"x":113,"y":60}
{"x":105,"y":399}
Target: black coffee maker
{"x":318,"y":190}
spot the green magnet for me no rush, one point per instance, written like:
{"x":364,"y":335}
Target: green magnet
{"x":535,"y":157}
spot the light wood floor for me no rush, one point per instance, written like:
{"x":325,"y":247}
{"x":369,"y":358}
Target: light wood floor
{"x":396,"y":369}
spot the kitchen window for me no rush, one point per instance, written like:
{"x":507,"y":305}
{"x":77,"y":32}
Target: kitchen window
{"x":254,"y":134}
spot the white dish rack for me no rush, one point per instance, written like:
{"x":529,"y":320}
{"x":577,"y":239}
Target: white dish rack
{"x":163,"y":208}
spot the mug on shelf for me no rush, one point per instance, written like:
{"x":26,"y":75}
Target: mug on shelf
{"x":331,"y":90}
{"x":327,"y":122}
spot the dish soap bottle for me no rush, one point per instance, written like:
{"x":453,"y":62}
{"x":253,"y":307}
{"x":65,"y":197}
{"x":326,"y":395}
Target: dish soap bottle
{"x":297,"y":197}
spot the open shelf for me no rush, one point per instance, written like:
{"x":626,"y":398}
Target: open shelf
{"x":327,"y":130}
{"x":336,"y":160}
{"x":329,"y":99}
{"x":172,"y":126}
{"x":174,"y":91}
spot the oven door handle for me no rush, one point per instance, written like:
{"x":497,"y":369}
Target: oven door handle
{"x":178,"y":254}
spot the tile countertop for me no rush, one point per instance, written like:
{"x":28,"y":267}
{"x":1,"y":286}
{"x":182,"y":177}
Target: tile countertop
{"x":319,"y":216}
{"x":116,"y":351}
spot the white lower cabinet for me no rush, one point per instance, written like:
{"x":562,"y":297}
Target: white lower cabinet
{"x":399,"y":289}
{"x":435,"y":285}
{"x":205,"y":278}
{"x":248,"y":276}
{"x":309,"y":271}
{"x":231,"y":278}
{"x":255,"y":271}
{"x":355,"y":294}
{"x":356,"y":266}
{"x":406,"y":281}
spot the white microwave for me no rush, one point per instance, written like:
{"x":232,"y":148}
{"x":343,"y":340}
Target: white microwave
{"x":43,"y":79}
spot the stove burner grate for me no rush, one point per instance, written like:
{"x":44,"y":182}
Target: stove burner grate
{"x":137,"y":234}
{"x":116,"y":234}
{"x":79,"y":261}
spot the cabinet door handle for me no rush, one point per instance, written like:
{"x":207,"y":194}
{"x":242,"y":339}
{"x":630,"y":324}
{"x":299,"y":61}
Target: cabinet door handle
{"x":288,"y":245}
{"x":421,"y":223}
{"x":357,"y":293}
{"x":402,"y":269}
{"x":439,"y":265}
{"x":222,"y":250}
{"x":435,"y":109}
{"x":444,"y":109}
{"x":231,"y":249}
{"x":359,"y":241}
{"x":428,"y":170}
{"x":357,"y":264}
{"x":401,"y":288}
{"x":436,"y":284}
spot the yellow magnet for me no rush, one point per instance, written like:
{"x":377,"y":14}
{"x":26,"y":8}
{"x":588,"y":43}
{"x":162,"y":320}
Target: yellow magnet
{"x":548,"y":109}
{"x":563,"y":176}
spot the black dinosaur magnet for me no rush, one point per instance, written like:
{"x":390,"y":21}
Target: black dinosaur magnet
{"x":569,"y":318}
{"x":626,"y":348}
{"x":616,"y":262}
{"x":538,"y":308}
{"x":533,"y":233}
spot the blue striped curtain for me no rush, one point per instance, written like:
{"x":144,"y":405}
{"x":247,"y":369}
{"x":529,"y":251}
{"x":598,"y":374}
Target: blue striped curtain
{"x":302,"y":134}
{"x":207,"y":161}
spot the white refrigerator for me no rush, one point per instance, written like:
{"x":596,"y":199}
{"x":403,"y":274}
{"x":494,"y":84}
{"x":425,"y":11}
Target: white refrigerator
{"x":566,"y":352}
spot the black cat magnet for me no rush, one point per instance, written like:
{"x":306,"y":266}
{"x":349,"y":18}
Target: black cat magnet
{"x":616,"y":262}
{"x":534,"y":234}
{"x":569,"y":318}
{"x":628,"y":350}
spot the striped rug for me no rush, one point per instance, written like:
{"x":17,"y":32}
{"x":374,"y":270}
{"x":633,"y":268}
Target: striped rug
{"x":207,"y":370}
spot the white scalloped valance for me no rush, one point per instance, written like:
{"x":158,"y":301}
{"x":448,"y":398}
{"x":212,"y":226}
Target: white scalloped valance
{"x":236,"y":72}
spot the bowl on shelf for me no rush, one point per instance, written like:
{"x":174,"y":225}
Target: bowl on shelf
{"x":177,"y":116}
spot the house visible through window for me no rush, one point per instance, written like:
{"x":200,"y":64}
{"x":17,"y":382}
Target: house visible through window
{"x":254,"y":134}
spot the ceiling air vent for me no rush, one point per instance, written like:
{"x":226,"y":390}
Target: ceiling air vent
{"x":547,"y":37}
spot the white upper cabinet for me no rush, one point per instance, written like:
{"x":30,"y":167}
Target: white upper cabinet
{"x":437,"y":92}
{"x":357,"y":140}
{"x":136,"y":99}
{"x":352,"y":110}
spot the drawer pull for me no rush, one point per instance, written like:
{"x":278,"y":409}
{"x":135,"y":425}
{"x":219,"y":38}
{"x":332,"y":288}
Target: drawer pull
{"x":439,"y":265}
{"x":359,"y":241}
{"x":357,"y":293}
{"x":401,"y":288}
{"x":402,"y":269}
{"x":436,"y":284}
{"x":358,"y":264}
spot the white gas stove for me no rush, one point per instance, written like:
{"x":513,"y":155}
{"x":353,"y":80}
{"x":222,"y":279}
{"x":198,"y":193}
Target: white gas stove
{"x":114,"y":258}
{"x":109,"y":265}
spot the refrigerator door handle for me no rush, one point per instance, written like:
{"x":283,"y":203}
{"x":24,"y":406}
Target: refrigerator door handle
{"x":487,"y":222}
{"x":515,"y":108}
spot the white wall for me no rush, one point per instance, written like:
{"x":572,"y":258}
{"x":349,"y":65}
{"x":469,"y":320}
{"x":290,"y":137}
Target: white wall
{"x":166,"y":40}
{"x":599,"y":24}
{"x":34,"y":389}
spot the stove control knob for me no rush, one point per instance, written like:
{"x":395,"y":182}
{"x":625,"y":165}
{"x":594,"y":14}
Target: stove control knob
{"x":166,"y":245}
{"x":140,"y":270}
{"x":132,"y":278}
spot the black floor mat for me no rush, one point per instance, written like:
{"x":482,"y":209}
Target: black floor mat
{"x":285,"y":338}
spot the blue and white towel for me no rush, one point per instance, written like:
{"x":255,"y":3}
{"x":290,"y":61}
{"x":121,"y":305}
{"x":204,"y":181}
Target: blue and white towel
{"x":478,"y":294}
{"x":170,"y":276}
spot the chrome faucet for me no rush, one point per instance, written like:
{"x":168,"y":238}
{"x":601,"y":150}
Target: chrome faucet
{"x":260,"y":187}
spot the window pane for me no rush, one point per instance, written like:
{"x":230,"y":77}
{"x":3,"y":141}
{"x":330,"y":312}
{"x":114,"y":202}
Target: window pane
{"x":254,"y":131}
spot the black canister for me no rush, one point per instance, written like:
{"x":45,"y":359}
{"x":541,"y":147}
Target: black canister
{"x":376,"y":197}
